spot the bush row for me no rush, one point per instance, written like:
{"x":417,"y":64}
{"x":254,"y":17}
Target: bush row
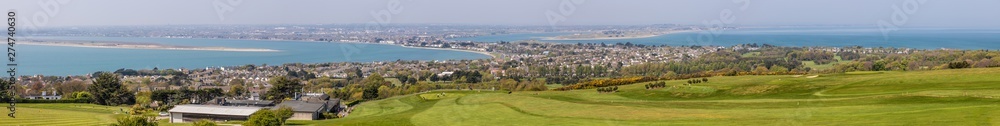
{"x":82,"y":100}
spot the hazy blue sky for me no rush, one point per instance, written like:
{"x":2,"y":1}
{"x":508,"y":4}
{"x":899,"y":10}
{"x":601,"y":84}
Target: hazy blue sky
{"x":950,"y":13}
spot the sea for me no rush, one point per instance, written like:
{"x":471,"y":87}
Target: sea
{"x":918,"y":38}
{"x":63,"y":61}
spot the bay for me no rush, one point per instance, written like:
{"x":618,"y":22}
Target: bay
{"x":60,"y":61}
{"x":919,"y":38}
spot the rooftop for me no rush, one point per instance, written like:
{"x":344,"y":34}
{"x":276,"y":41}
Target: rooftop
{"x":215,"y":110}
{"x":303,"y":106}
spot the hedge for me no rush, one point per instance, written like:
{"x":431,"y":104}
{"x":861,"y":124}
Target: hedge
{"x":19,"y":100}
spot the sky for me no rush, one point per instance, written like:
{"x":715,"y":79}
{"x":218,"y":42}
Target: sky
{"x":914,"y":13}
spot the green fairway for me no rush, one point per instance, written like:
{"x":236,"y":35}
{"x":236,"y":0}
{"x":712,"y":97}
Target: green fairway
{"x":62,"y":114}
{"x":815,"y":66}
{"x":942,"y":97}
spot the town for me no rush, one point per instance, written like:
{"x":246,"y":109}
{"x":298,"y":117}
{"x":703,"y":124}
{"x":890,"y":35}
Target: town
{"x":316,"y":91}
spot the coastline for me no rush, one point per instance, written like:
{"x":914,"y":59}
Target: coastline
{"x":404,"y":46}
{"x":606,"y":38}
{"x":449,"y":49}
{"x":150,"y":47}
{"x":270,"y":50}
{"x":417,"y":47}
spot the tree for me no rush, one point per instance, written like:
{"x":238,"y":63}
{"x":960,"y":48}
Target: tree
{"x":411,"y":80}
{"x":204,"y":95}
{"x":370,"y":92}
{"x":434,"y":78}
{"x":371,"y":84}
{"x":108,"y":90}
{"x":236,"y":90}
{"x":136,"y":120}
{"x":81,"y":95}
{"x":284,"y":112}
{"x":242,"y":86}
{"x":5,"y":87}
{"x":163,"y":96}
{"x":760,"y":70}
{"x":263,"y":117}
{"x":704,"y":80}
{"x":778,"y":69}
{"x":71,"y":86}
{"x":283,"y":87}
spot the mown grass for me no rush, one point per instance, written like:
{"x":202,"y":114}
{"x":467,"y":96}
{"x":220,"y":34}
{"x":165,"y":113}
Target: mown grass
{"x":62,"y":114}
{"x":815,"y":66}
{"x":943,"y":97}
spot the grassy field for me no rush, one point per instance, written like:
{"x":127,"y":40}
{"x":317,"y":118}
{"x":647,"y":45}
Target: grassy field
{"x":943,"y":97}
{"x":815,"y":66}
{"x":62,"y":114}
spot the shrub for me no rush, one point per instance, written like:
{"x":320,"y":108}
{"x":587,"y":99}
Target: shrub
{"x":204,"y":122}
{"x":136,"y":120}
{"x":958,"y":65}
{"x":264,"y":117}
{"x":81,"y":100}
{"x":656,"y":85}
{"x":607,"y":89}
{"x":606,"y":83}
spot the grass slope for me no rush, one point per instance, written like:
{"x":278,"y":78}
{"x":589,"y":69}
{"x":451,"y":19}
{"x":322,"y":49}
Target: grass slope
{"x":61,"y":114}
{"x":944,"y":97}
{"x":815,"y":66}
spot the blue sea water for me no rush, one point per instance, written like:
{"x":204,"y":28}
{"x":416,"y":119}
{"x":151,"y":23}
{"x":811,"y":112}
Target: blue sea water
{"x":55,"y":60}
{"x":920,"y":38}
{"x":60,"y":61}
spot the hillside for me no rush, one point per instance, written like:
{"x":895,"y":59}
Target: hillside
{"x":941,"y":97}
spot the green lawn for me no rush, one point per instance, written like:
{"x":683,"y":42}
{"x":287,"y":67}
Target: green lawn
{"x":394,"y":81}
{"x":815,"y":66}
{"x":943,"y":97}
{"x":62,"y":114}
{"x":940,"y":97}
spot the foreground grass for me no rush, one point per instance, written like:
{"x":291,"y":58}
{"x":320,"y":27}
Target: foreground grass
{"x":62,"y":114}
{"x":944,"y":97}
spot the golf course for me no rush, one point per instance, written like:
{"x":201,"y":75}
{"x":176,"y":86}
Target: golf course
{"x":62,"y":114}
{"x":939,"y":97}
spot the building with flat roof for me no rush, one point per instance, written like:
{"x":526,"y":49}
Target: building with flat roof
{"x":304,"y":110}
{"x":190,"y":113}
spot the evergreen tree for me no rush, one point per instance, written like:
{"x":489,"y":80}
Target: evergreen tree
{"x":283,"y":87}
{"x":108,"y":90}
